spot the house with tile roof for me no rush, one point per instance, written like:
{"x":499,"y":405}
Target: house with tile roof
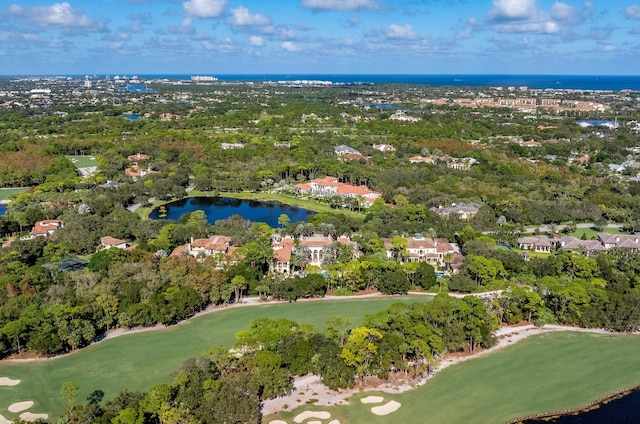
{"x":330,"y":186}
{"x":45,"y":228}
{"x":108,"y":242}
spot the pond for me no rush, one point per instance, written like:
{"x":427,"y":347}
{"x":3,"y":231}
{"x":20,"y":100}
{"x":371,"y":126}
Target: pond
{"x":217,"y":208}
{"x":3,"y":210}
{"x":625,"y":409}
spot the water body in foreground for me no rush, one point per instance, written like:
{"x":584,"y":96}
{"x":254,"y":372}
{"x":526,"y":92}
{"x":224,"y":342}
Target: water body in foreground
{"x":623,"y":410}
{"x":217,"y":208}
{"x":3,"y":210}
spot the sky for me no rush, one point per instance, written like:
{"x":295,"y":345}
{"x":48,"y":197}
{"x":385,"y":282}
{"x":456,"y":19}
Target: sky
{"x":217,"y":37}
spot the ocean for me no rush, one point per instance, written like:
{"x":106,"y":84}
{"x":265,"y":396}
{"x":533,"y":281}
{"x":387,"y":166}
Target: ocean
{"x":559,"y":82}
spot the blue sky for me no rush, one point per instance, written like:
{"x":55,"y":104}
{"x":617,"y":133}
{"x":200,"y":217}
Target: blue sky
{"x":599,"y":37}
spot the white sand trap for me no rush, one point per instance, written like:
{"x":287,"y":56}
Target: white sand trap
{"x":20,"y":406}
{"x":372,"y":399}
{"x":6,"y":381}
{"x":387,"y":408}
{"x":3,"y":420}
{"x":314,"y":422}
{"x":311,"y":414}
{"x":277,"y":422}
{"x":28,"y":416}
{"x":334,"y":422}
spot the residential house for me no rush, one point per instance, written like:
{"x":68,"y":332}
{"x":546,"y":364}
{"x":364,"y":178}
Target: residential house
{"x":422,"y":159}
{"x":138,"y":157}
{"x":461,"y":164}
{"x":621,"y":241}
{"x":463,"y":211}
{"x":343,"y":149}
{"x":424,"y":249}
{"x":227,"y":146}
{"x":218,"y":246}
{"x":108,"y":242}
{"x":45,"y":228}
{"x":282,"y":252}
{"x":541,"y":244}
{"x":400,"y":115}
{"x":384,"y":147}
{"x":329,"y":186}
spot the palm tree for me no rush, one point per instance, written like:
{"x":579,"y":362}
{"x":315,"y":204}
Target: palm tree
{"x":301,"y":257}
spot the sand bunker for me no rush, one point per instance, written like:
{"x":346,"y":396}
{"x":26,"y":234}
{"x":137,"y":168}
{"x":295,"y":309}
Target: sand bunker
{"x":28,"y":416}
{"x":277,"y":422}
{"x":334,"y":422}
{"x":3,"y":420}
{"x":387,"y":408}
{"x":6,"y":381}
{"x":20,"y":406}
{"x":311,"y":414}
{"x":372,"y":399}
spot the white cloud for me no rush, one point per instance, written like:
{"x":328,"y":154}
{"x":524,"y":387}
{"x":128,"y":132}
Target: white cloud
{"x":243,"y":17}
{"x":632,"y":12}
{"x":289,"y":46}
{"x":397,"y":32}
{"x":204,"y":8}
{"x":526,"y":16}
{"x":225,"y":46}
{"x":256,"y":41}
{"x":341,"y":4}
{"x":59,"y":15}
{"x":185,"y":27}
{"x":512,"y":10}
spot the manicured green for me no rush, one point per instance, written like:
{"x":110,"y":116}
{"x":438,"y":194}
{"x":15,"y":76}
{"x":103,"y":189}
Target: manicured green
{"x":5,"y":193}
{"x":138,"y":361}
{"x":544,"y":373}
{"x":81,"y":161}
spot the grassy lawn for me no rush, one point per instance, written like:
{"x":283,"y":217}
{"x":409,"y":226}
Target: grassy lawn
{"x":544,"y":373}
{"x":138,"y":361}
{"x":82,"y":161}
{"x":5,"y":193}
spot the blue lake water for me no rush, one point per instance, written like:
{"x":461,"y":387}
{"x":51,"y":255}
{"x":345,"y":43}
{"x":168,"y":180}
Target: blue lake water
{"x":624,"y":410}
{"x":131,"y":116}
{"x":3,"y":210}
{"x":217,"y":208}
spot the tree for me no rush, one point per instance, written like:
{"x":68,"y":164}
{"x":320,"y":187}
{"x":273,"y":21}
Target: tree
{"x":284,"y":220}
{"x":239,"y":283}
{"x":361,"y":348}
{"x":69,"y":392}
{"x":338,"y":329}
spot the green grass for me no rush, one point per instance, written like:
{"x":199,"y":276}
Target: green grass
{"x":81,"y":161}
{"x":592,"y":233}
{"x":544,"y":373}
{"x":5,"y":193}
{"x":138,"y":361}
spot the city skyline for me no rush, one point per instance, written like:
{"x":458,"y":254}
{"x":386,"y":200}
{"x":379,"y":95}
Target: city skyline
{"x":40,"y":37}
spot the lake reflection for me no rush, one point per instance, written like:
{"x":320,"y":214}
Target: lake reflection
{"x":217,"y":208}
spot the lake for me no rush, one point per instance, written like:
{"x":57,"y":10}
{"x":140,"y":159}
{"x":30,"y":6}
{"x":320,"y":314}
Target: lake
{"x":217,"y":208}
{"x":624,"y":410}
{"x":3,"y":210}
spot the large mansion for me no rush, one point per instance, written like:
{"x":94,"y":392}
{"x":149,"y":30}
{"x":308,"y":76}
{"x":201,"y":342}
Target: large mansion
{"x":329,"y":186}
{"x":605,"y":241}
